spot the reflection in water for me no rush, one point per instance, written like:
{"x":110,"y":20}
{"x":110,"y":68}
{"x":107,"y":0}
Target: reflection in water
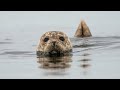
{"x":84,"y":45}
{"x":55,"y":62}
{"x":85,"y":63}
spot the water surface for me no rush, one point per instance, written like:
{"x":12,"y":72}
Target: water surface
{"x":95,"y":57}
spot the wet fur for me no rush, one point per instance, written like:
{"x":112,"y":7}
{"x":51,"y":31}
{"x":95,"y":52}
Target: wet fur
{"x":62,"y":48}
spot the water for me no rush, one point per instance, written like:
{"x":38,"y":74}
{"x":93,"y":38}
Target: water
{"x":95,"y":57}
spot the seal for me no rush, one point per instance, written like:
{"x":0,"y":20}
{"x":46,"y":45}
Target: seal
{"x":83,"y":30}
{"x":57,"y":43}
{"x":54,"y":43}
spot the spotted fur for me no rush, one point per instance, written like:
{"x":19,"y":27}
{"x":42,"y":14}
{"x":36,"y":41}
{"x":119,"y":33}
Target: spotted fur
{"x":62,"y":47}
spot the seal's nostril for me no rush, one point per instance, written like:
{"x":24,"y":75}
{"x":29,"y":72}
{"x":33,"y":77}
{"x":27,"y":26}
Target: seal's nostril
{"x":54,"y":42}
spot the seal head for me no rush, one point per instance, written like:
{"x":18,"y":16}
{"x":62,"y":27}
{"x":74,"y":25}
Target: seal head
{"x":54,"y":43}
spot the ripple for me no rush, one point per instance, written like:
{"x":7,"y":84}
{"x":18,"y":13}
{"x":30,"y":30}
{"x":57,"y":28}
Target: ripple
{"x":85,"y":65}
{"x":8,"y":39}
{"x":85,"y":60}
{"x":6,"y":43}
{"x":96,"y":43}
{"x":84,"y":46}
{"x":17,"y":53}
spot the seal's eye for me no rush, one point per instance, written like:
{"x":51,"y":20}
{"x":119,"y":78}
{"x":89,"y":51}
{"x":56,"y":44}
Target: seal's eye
{"x":62,"y":38}
{"x":46,"y":39}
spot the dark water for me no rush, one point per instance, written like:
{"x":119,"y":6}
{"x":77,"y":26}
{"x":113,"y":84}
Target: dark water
{"x":95,"y":57}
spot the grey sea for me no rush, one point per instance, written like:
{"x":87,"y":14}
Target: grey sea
{"x":97,"y":57}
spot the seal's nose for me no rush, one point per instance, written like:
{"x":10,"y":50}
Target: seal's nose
{"x":54,"y":43}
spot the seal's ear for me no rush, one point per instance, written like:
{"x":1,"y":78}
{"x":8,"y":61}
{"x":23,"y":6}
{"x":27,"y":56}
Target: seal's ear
{"x":83,"y":30}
